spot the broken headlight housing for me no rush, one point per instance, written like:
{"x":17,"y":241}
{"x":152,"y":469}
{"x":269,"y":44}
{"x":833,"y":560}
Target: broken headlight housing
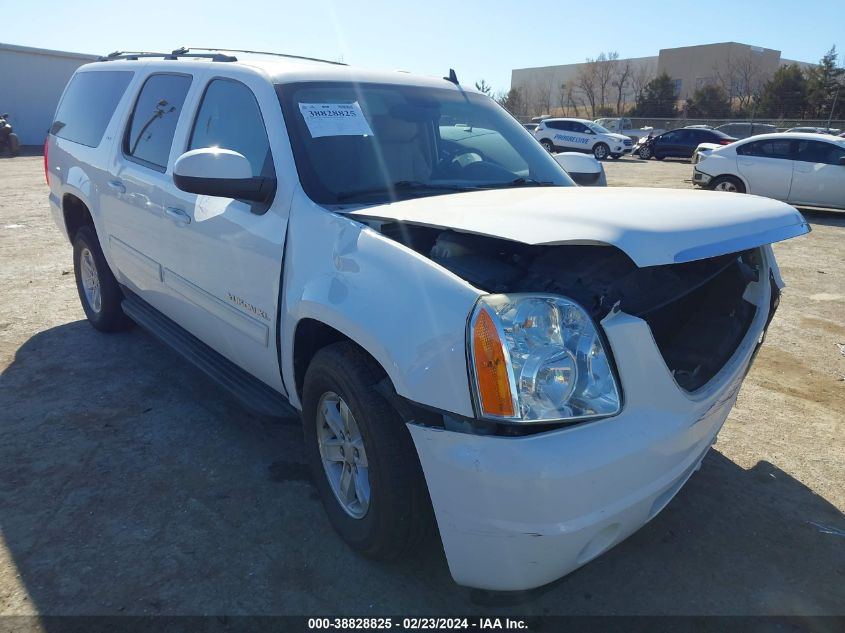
{"x":539,"y":358}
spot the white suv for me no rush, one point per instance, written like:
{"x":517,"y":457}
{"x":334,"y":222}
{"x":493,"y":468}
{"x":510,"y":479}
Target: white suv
{"x":583,"y":136}
{"x":466,"y":335}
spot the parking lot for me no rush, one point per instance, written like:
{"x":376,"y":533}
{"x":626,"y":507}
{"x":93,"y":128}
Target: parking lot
{"x":129,"y":484}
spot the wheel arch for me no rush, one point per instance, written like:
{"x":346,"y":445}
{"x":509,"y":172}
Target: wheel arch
{"x":76,"y":214}
{"x":733,"y":175}
{"x":310,"y":336}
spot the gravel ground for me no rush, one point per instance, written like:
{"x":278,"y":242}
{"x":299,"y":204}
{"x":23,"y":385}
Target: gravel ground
{"x":130,"y":485}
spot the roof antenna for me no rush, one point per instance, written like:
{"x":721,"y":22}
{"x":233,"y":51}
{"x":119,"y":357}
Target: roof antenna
{"x":452,"y":77}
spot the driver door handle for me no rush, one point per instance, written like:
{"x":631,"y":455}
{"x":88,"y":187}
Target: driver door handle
{"x":179,"y":216}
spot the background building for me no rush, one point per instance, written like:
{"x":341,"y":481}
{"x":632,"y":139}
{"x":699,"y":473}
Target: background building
{"x":31,"y":82}
{"x":741,"y":69}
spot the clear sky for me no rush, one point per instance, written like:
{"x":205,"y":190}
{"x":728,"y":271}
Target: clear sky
{"x":478,"y":39}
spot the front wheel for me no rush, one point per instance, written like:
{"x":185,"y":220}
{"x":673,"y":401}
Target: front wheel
{"x":645,"y":152}
{"x":362,"y":457}
{"x":550,"y":148}
{"x":730,"y":184}
{"x":601,"y":151}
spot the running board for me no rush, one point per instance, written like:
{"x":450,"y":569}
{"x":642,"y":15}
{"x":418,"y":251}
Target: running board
{"x":253,"y":394}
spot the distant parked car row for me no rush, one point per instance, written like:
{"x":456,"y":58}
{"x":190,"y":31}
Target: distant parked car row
{"x":681,"y":143}
{"x":580,"y":135}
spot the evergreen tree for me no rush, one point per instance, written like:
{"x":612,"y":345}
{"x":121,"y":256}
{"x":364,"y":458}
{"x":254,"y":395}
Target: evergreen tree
{"x":658,"y":98}
{"x":785,"y":94}
{"x":823,"y":82}
{"x":709,"y":102}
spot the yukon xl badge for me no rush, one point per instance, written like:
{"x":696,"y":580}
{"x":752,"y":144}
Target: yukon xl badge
{"x":248,"y":306}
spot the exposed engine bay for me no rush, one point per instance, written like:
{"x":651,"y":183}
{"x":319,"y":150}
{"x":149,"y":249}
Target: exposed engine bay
{"x":696,"y":310}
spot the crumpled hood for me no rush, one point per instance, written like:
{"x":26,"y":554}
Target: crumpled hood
{"x":651,"y":226}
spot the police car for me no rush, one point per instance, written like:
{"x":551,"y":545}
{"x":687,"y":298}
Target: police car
{"x":582,"y":136}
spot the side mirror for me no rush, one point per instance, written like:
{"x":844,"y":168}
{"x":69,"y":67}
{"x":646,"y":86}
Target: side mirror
{"x":213,"y":171}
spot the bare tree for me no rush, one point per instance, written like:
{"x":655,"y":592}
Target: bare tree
{"x":741,"y":78}
{"x":541,"y":97}
{"x":567,"y":99}
{"x":621,"y":79}
{"x":640,"y":78}
{"x":606,"y":64}
{"x":587,"y":83}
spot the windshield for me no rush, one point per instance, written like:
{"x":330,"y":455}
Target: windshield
{"x":598,"y":129}
{"x":371,"y":143}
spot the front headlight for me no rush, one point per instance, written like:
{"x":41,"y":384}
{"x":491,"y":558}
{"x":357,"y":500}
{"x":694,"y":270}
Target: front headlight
{"x":539,"y":358}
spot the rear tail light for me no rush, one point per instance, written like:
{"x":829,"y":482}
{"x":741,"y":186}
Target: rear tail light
{"x":725,"y":141}
{"x":46,"y":161}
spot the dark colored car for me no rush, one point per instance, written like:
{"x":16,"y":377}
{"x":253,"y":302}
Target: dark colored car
{"x":681,"y":143}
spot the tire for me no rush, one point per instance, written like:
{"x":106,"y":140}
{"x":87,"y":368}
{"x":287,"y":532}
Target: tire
{"x":14,"y":144}
{"x":550,"y":147}
{"x":397,"y":515}
{"x":601,"y":151}
{"x":729,"y":184}
{"x":99,"y":292}
{"x":645,"y":152}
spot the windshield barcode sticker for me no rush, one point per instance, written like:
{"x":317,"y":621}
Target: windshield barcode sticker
{"x":335,"y":119}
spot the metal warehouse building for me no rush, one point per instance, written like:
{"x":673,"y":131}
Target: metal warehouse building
{"x":31,"y":82}
{"x":690,"y":68}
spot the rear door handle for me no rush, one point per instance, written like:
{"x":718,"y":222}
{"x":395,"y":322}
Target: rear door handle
{"x":117,"y":186}
{"x":179,"y":216}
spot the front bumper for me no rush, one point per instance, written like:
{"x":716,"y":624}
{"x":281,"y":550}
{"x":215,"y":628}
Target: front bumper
{"x":700,"y":178}
{"x":516,"y":513}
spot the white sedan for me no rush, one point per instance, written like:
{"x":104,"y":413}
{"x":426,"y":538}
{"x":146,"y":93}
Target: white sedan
{"x":802,"y":169}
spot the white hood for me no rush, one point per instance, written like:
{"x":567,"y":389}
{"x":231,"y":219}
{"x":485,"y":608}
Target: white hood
{"x":652,"y":226}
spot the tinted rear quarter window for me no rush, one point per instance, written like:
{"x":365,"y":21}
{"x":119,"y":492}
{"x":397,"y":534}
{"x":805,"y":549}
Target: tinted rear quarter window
{"x":88,"y":105}
{"x":154,"y":118}
{"x":767,"y":149}
{"x":819,"y":152}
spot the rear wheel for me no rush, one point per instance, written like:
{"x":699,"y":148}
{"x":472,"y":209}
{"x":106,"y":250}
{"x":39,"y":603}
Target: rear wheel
{"x":550,"y":148}
{"x":730,"y":184}
{"x":601,"y":151}
{"x":99,"y":292}
{"x":362,"y":457}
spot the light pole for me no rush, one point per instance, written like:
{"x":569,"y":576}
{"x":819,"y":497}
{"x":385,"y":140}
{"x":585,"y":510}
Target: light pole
{"x":833,"y":107}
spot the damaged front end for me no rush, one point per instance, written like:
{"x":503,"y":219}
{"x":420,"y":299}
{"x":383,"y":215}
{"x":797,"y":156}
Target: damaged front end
{"x":697,"y":311}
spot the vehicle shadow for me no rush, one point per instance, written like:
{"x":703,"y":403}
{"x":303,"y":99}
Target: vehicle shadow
{"x":826,"y":217}
{"x":130,"y":485}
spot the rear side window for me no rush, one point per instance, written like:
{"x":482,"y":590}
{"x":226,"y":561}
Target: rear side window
{"x":229,"y":118}
{"x":88,"y":105}
{"x":819,"y":152}
{"x":153,"y":123}
{"x":767,"y":149}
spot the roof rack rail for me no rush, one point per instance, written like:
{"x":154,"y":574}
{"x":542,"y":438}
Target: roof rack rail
{"x":238,"y":50}
{"x":178,"y":53}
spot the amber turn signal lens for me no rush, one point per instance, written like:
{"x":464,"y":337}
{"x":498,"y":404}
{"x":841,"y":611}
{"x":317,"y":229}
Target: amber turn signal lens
{"x":491,"y":368}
